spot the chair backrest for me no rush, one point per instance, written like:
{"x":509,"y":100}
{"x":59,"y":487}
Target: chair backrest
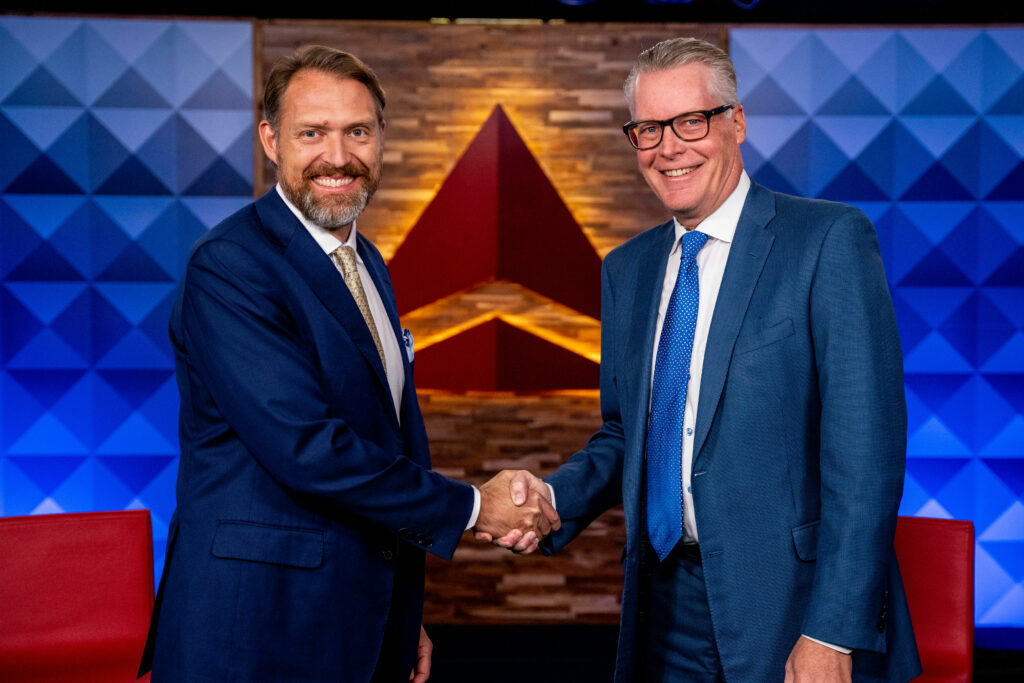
{"x":937,"y":563}
{"x":76,"y":593}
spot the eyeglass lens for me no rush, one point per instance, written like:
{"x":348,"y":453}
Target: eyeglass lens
{"x":689,"y":127}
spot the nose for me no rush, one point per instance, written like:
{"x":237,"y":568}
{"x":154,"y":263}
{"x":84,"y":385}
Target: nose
{"x":335,"y":152}
{"x":671,"y":144}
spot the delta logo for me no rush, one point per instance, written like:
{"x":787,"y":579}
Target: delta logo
{"x":496,"y":279}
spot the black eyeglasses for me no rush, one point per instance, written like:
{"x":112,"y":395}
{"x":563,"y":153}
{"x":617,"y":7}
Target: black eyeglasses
{"x":688,"y":127}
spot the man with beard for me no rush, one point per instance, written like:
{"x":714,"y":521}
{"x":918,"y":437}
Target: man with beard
{"x":305,"y":495}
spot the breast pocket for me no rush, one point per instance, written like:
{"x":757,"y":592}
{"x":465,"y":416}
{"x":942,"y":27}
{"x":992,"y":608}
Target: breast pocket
{"x":770,"y":335}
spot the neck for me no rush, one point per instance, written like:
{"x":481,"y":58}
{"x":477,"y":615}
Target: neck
{"x":341,"y":232}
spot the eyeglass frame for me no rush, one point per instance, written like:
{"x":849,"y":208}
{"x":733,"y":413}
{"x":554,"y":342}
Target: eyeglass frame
{"x":708,"y":113}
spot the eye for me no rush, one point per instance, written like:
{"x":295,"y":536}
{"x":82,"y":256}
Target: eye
{"x":310,"y":134}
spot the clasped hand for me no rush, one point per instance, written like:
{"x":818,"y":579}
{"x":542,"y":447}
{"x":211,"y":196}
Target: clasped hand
{"x":515,"y":512}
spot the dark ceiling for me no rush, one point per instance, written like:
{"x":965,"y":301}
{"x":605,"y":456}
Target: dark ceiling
{"x":915,"y":12}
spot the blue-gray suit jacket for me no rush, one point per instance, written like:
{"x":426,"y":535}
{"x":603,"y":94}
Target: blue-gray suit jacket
{"x":800,"y":443}
{"x":304,"y":505}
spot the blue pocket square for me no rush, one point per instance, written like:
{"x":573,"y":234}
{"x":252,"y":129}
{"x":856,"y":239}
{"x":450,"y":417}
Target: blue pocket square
{"x":407,"y":342}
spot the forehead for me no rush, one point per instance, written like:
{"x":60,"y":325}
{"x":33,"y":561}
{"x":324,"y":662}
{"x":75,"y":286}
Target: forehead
{"x":662,"y":94}
{"x":315,"y":94}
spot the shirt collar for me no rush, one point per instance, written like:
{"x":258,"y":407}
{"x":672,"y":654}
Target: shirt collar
{"x":327,"y":241}
{"x":721,"y":224}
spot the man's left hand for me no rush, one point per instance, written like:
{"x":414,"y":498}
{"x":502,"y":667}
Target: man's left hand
{"x":811,"y":662}
{"x":522,"y":486}
{"x":515,"y":513}
{"x":424,"y":650}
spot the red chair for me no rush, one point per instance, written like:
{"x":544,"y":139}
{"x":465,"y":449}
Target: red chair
{"x":76,"y":593}
{"x":937,"y":562}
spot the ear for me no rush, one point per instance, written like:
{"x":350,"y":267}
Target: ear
{"x":269,"y":139}
{"x":739,"y":120}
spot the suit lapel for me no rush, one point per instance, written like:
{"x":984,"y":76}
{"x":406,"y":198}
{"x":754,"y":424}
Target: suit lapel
{"x":382,"y":281}
{"x":379,"y":274}
{"x":411,"y":424}
{"x":747,"y":255}
{"x":316,"y":268}
{"x":644,"y":310}
{"x":642,"y":321}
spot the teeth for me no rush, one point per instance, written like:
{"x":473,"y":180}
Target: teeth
{"x":332,"y":182}
{"x":676,"y":172}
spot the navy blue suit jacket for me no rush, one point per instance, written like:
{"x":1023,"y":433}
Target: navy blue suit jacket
{"x":800,"y":440}
{"x":304,"y":505}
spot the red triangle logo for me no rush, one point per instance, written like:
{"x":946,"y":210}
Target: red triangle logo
{"x":496,"y":356}
{"x":497,"y":217}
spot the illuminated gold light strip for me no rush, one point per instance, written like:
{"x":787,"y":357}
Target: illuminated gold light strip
{"x":577,"y":346}
{"x":511,"y":302}
{"x":422,"y":343}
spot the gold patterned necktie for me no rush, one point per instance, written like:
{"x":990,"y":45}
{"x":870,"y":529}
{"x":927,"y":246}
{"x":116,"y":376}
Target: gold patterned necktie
{"x":344,"y":258}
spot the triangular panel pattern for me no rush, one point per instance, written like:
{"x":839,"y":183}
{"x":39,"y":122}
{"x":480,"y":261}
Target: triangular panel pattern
{"x":484,"y":224}
{"x":926,"y":131}
{"x":99,"y":154}
{"x":498,"y":356}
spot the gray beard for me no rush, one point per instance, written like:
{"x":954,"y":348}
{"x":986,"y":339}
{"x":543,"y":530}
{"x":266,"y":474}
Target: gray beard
{"x":327,"y":216}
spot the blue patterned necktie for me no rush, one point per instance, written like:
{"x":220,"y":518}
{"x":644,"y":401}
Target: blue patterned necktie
{"x":668,"y":403}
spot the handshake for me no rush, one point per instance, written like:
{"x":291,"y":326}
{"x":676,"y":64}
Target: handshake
{"x":515,"y":512}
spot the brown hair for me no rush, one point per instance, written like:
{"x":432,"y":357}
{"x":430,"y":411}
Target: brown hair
{"x":319,"y":58}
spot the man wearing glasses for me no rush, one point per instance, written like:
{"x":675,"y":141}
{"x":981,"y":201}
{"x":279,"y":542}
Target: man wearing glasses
{"x":754,"y":416}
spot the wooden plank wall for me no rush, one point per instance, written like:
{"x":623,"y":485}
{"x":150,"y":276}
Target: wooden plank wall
{"x":560,"y":84}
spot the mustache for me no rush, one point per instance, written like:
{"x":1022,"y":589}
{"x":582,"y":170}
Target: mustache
{"x":353,"y":168}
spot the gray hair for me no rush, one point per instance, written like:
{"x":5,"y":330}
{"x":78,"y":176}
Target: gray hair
{"x":674,"y":52}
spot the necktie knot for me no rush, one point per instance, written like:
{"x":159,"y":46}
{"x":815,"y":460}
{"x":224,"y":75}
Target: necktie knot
{"x":693,"y":240}
{"x":346,"y":257}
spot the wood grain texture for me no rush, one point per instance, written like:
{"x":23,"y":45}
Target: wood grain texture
{"x":560,"y":85}
{"x":474,"y":436}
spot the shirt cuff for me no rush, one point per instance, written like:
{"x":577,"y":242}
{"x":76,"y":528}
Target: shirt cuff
{"x":476,"y":508}
{"x":551,"y":490}
{"x":837,"y":648}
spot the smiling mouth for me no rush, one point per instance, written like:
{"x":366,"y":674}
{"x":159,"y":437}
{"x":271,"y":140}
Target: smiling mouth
{"x":677,"y":172}
{"x":324,"y":181}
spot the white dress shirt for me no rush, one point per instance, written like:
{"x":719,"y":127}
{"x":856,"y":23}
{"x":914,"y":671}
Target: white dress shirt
{"x":720,"y":228}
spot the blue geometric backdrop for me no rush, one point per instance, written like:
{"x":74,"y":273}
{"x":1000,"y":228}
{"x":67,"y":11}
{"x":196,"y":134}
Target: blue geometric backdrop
{"x":122,"y":142}
{"x":924,"y":131}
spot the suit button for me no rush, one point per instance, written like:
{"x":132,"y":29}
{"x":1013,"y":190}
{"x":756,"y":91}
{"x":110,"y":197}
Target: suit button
{"x":387,"y":555}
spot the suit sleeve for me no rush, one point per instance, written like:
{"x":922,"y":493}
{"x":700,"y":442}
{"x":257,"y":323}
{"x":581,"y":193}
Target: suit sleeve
{"x":863,"y":436}
{"x":590,"y":482}
{"x":245,"y":350}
